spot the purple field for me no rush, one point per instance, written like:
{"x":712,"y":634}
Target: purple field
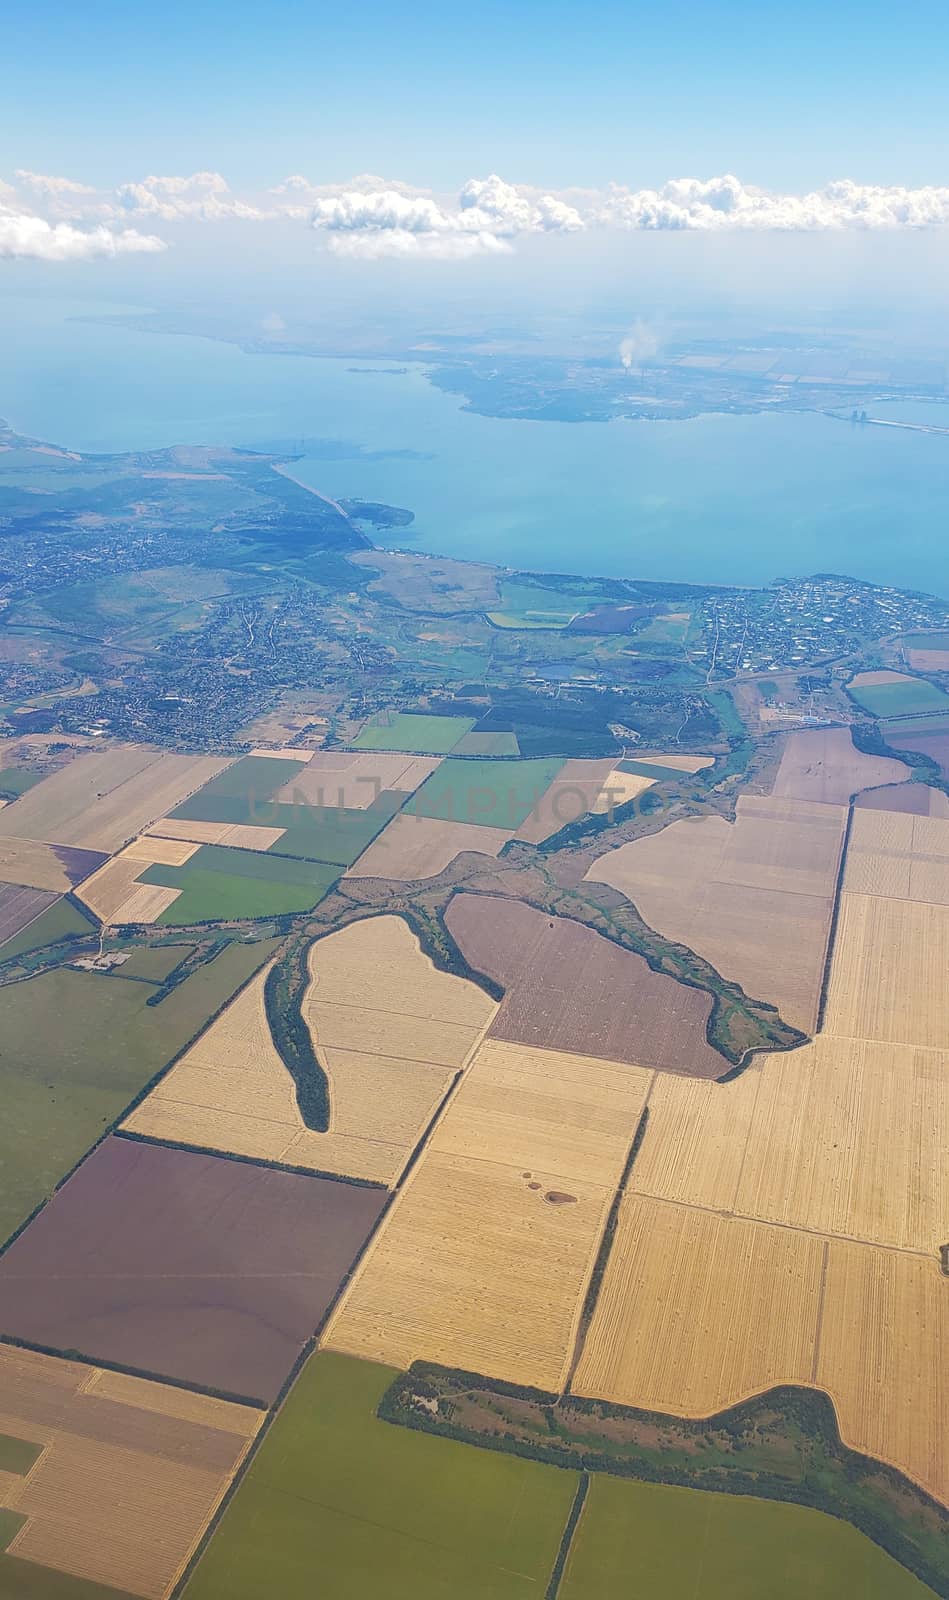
{"x":19,"y":907}
{"x":188,"y":1266}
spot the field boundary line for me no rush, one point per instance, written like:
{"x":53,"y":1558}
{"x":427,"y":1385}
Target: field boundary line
{"x":134,"y":1137}
{"x":815,"y":1363}
{"x":829,"y":952}
{"x":567,"y":1537}
{"x":787,"y":1227}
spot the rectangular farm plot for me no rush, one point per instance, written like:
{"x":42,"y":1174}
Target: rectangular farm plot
{"x":884,"y":1336}
{"x":753,"y":897}
{"x":341,"y":1503}
{"x":129,"y":1475}
{"x":113,"y":892}
{"x":839,"y":1138}
{"x":888,"y":975}
{"x":492,"y":794}
{"x":232,"y":1092}
{"x":183,"y":1265}
{"x":102,"y":798}
{"x":896,"y":694}
{"x":697,"y":1311}
{"x":216,"y":883}
{"x":485,"y":1257}
{"x":409,"y":732}
{"x":899,"y":855}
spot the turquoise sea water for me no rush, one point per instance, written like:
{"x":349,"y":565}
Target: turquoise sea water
{"x":721,"y":499}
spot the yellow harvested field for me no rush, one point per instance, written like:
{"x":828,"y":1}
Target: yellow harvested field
{"x":114,"y":894}
{"x":888,"y":976}
{"x":884,"y":1337}
{"x":410,"y":848}
{"x":840,"y":1138}
{"x":170,"y":852}
{"x":231,"y":1091}
{"x":102,"y":798}
{"x":34,"y":865}
{"x":484,"y":1259}
{"x":618,"y":790}
{"x":240,"y":835}
{"x":116,"y":1448}
{"x":573,"y":793}
{"x":697,"y":1311}
{"x":353,"y":778}
{"x":899,"y":856}
{"x":285,"y":753}
{"x":754,"y":897}
{"x":691,"y":764}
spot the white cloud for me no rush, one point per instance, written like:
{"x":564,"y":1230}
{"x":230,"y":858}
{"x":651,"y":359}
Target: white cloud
{"x":725,"y":204}
{"x":41,"y":184}
{"x":23,"y":236}
{"x":402,"y":244}
{"x":202,"y":196}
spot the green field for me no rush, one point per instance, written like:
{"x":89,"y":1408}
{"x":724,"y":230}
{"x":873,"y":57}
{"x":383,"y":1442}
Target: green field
{"x":639,"y":1540}
{"x":339,"y":1504}
{"x":487,"y":744}
{"x":25,"y":1580}
{"x":406,"y":731}
{"x":912,"y":696}
{"x":926,"y":641}
{"x":644,"y":770}
{"x":154,"y":963}
{"x":77,"y":1047}
{"x":528,"y":605}
{"x":17,"y":1455}
{"x":58,"y":921}
{"x":671,"y":629}
{"x":15,"y":781}
{"x":493,"y":794}
{"x":330,"y":833}
{"x":218,"y":883}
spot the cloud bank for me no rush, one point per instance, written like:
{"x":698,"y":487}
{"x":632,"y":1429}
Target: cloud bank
{"x":372,"y":218}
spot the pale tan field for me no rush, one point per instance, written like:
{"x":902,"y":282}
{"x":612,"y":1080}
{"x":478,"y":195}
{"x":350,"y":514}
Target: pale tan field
{"x":572,"y":794}
{"x":114,"y":894}
{"x":888,"y":978}
{"x":240,"y":835}
{"x":105,"y":797}
{"x":929,"y":660}
{"x":866,"y":680}
{"x":36,"y":866}
{"x":691,"y":764}
{"x":410,"y":848}
{"x":131,"y":1473}
{"x":353,"y":778}
{"x":697,"y":1310}
{"x":284,"y":753}
{"x":823,"y":764}
{"x":484,"y":1259}
{"x":884,"y":1337}
{"x":618,"y":790}
{"x":899,"y":856}
{"x":754,"y":897}
{"x":841,"y":1137}
{"x":231,"y":1091}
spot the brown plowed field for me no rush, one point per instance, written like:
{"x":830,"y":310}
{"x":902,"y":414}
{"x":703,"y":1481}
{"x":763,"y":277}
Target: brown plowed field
{"x":130,"y":1475}
{"x":823,"y":764}
{"x":104,"y":797}
{"x":916,"y":799}
{"x":19,"y":907}
{"x":572,"y":794}
{"x":754,"y":897}
{"x":410,"y":847}
{"x":568,"y":988}
{"x":188,"y":1266}
{"x":933,"y":745}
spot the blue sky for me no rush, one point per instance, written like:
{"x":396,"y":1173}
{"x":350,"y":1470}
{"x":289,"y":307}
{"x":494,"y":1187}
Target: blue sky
{"x":551,"y":94}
